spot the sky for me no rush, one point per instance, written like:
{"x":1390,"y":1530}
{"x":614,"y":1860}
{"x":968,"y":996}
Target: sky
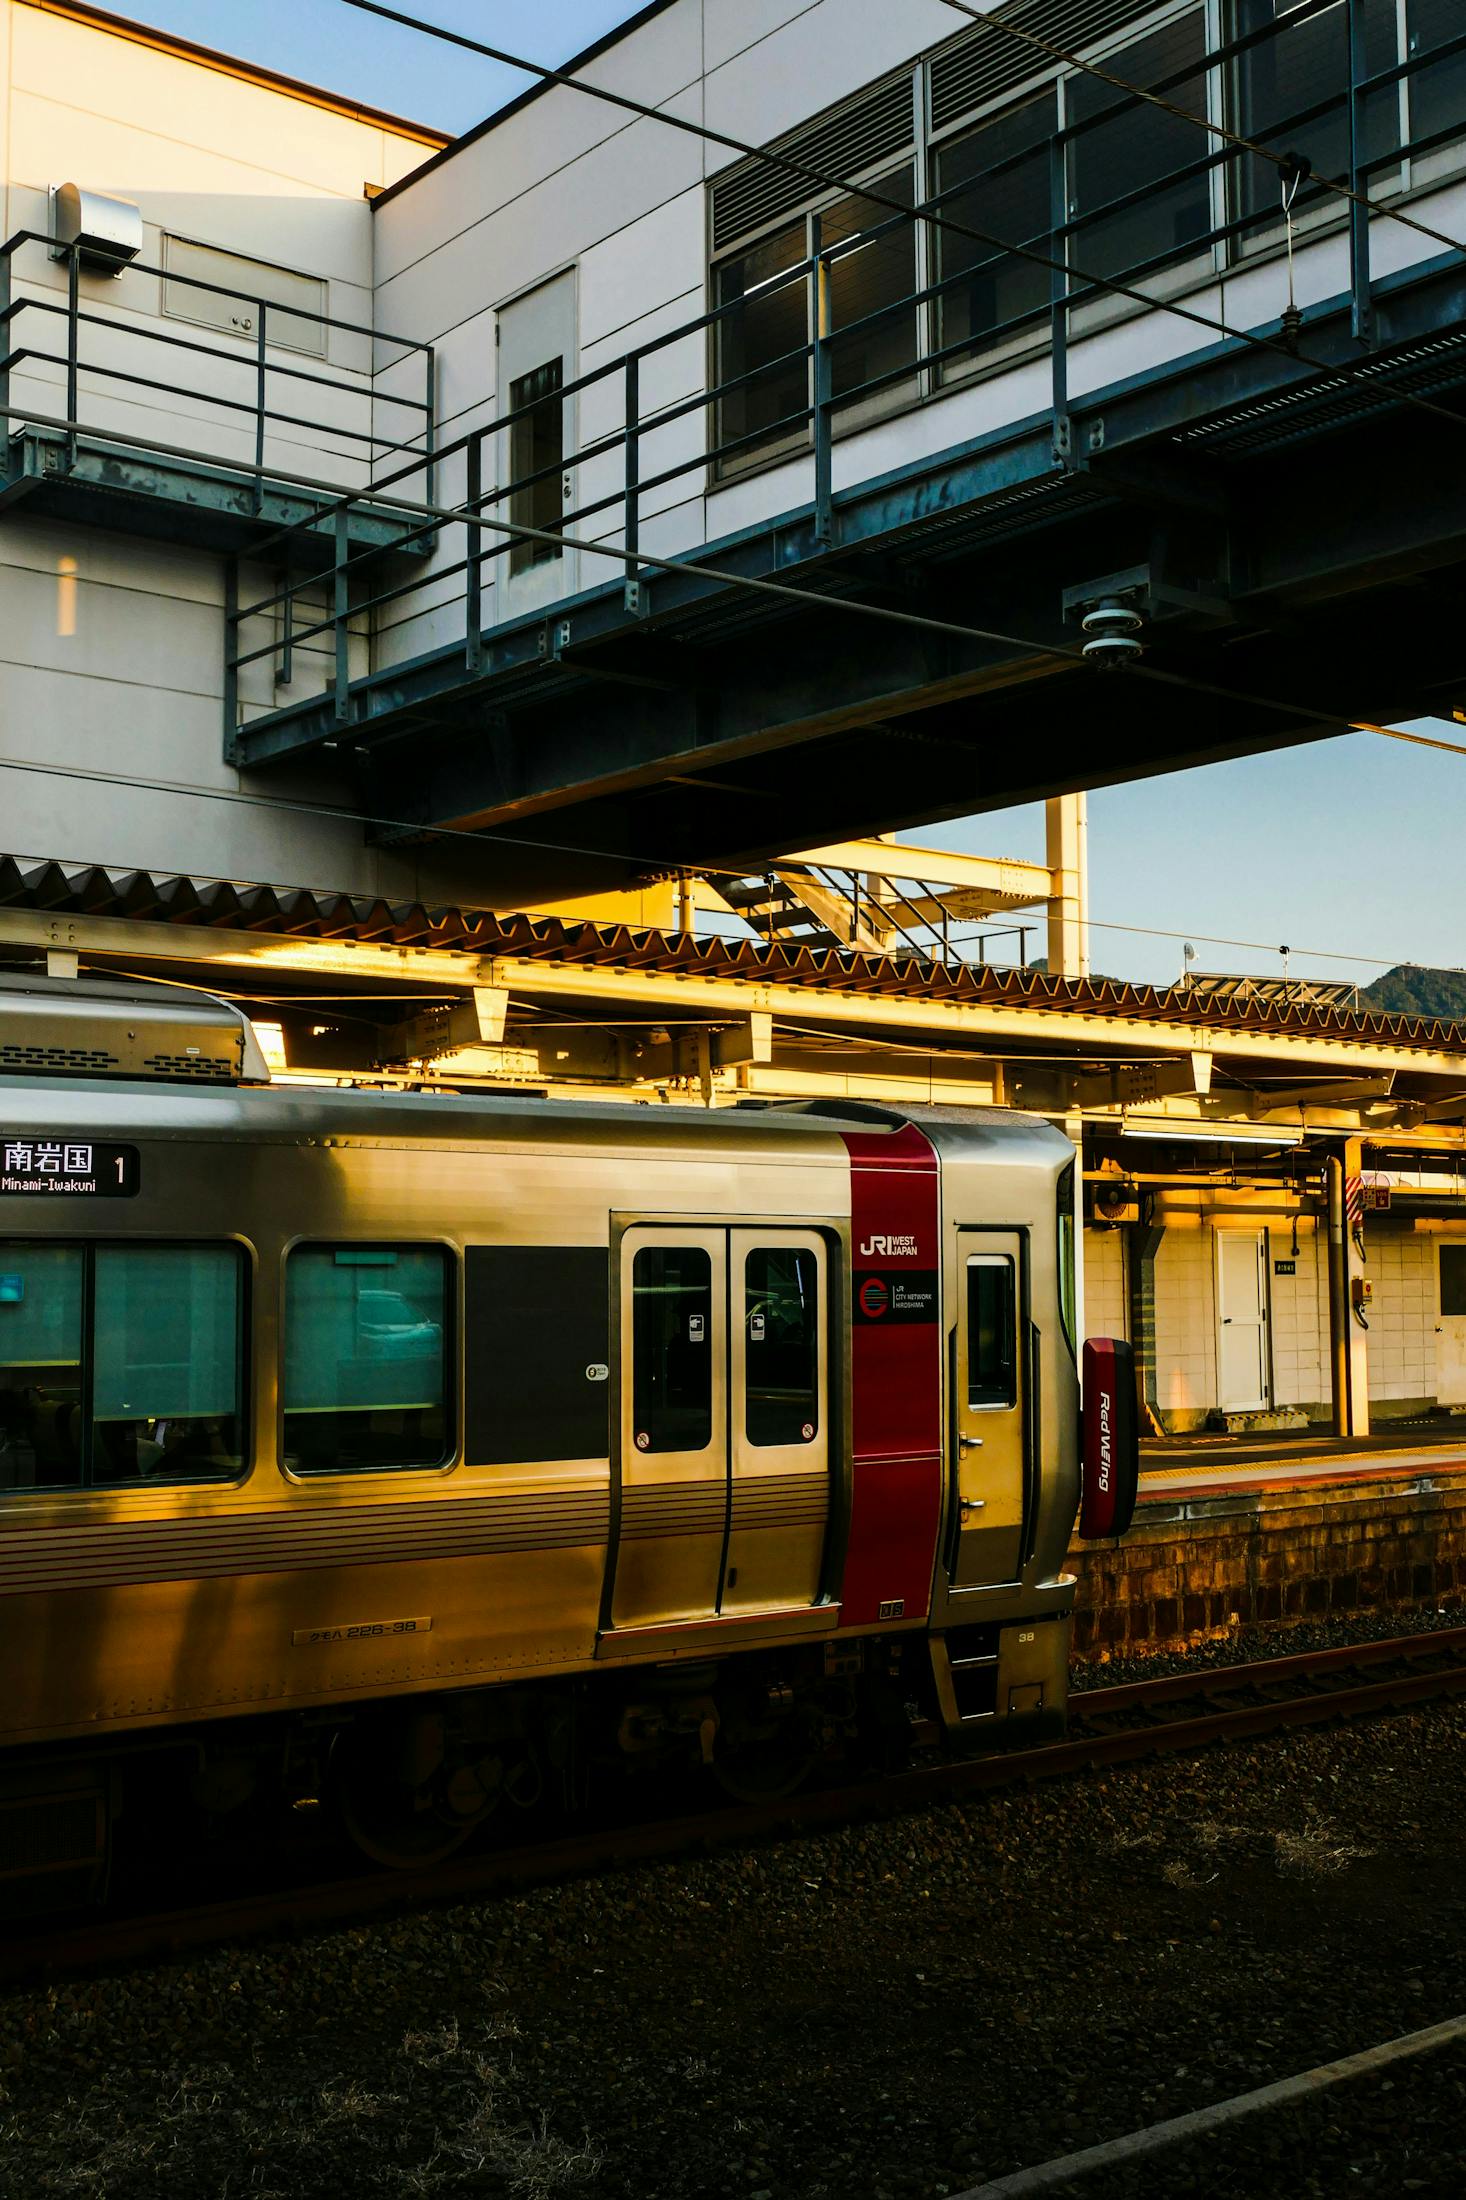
{"x":1349,"y":852}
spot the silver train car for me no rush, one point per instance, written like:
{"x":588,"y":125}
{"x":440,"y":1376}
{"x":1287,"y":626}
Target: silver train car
{"x":437,"y":1451}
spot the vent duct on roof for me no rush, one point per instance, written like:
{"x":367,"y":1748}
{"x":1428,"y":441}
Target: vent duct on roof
{"x":97,"y":1027}
{"x":982,"y":66}
{"x":850,"y":142}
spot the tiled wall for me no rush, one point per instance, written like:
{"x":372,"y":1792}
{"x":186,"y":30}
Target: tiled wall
{"x":1106,"y":1313}
{"x":1402,"y":1315}
{"x":1300,"y":1318}
{"x":1185,"y":1320}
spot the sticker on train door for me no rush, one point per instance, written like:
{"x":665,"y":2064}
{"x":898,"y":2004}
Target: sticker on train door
{"x":696,"y":1328}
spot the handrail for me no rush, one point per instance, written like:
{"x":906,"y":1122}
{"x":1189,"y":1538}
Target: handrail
{"x":362,"y":399}
{"x":804,"y":381}
{"x":19,"y":237}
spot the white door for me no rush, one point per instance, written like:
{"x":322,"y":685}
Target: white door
{"x":1450,"y":1328}
{"x":537,"y":359}
{"x":1242,"y":1384}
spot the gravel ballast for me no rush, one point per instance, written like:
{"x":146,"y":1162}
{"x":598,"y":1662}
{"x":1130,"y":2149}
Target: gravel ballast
{"x":888,"y":2011}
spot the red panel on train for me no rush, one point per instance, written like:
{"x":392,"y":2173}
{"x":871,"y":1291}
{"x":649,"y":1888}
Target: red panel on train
{"x":895,"y":1343}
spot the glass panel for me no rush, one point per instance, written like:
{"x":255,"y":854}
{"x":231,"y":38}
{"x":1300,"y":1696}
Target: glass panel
{"x":992,"y":1326}
{"x":1135,"y":150}
{"x":671,"y":1349}
{"x":1068,"y":1261}
{"x":1303,"y":66}
{"x":366,"y":1360}
{"x":866,"y":278}
{"x":40,"y":1366}
{"x":781,"y":1344}
{"x":536,"y":460}
{"x":166,"y":1357}
{"x":1438,"y":89}
{"x":773,"y":322}
{"x":992,"y":294}
{"x":1453,"y":1279}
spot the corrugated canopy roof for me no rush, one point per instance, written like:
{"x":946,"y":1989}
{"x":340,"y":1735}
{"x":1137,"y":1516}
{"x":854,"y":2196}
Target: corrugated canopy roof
{"x":303,"y":913}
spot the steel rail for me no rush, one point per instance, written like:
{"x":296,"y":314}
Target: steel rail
{"x":91,"y":1944}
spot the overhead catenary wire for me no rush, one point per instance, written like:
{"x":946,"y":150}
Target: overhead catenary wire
{"x":344,"y":816}
{"x":1235,"y":138}
{"x":1343,"y":722}
{"x":924,"y":210}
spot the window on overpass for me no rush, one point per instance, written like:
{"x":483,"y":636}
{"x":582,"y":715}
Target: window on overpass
{"x":995,"y":179}
{"x":764,"y":343}
{"x":1290,"y":92}
{"x":1139,"y":185}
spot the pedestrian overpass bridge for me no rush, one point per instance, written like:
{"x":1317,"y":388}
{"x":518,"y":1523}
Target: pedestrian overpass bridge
{"x":815,"y":562}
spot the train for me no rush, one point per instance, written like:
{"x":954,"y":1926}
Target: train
{"x":440,"y":1454}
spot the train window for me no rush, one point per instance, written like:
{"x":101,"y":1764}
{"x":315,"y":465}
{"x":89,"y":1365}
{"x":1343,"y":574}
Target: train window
{"x":120,"y":1364}
{"x":781,"y":1344}
{"x":41,"y":1421}
{"x":366,"y":1358}
{"x":671,"y":1349}
{"x":992,"y":1331}
{"x":166,"y":1355}
{"x":1068,"y":1260}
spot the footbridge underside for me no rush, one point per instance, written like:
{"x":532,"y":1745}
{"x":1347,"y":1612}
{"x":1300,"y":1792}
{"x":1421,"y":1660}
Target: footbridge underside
{"x":1292,"y":530}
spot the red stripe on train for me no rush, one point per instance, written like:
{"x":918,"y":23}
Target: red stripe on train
{"x":896,"y":1369}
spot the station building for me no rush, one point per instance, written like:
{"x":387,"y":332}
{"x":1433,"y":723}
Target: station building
{"x":338,"y":458}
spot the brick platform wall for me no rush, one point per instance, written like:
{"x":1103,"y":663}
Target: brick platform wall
{"x":1191,"y":1571}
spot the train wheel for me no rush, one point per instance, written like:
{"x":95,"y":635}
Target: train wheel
{"x":758,"y":1760}
{"x":396,"y":1796}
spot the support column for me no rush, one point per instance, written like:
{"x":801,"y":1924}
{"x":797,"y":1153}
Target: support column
{"x":1142,"y":1243}
{"x":1066,"y":853}
{"x":1348,"y":1318}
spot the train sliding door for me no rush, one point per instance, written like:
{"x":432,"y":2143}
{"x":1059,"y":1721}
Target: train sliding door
{"x":779,"y":1498}
{"x":674,"y":1425}
{"x":724,"y":1421}
{"x":990,"y":1408}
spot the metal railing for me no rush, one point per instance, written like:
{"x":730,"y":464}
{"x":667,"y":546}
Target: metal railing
{"x":828,"y":905}
{"x":486,"y":520}
{"x":243,"y":379}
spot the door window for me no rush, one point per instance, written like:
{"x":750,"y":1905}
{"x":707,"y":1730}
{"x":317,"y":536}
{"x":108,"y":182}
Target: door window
{"x":536,"y":461}
{"x":671,"y":1348}
{"x":781,"y":1354}
{"x":992,"y":1330}
{"x":1453,"y":1279}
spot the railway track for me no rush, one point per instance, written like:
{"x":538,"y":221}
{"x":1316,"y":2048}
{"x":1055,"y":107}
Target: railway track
{"x":1111,"y":1725}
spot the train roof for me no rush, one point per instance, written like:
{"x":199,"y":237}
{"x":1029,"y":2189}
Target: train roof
{"x":272,"y":1114}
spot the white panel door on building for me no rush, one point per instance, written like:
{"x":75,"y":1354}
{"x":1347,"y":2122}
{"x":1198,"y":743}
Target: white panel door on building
{"x":1450,"y":1328}
{"x":537,"y":359}
{"x":1242,"y":1356}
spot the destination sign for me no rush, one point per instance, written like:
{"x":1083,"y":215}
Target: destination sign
{"x":42,"y":1165}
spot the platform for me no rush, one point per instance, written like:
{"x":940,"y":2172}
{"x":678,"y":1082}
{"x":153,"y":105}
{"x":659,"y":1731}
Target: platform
{"x":1221,"y":1464}
{"x":1238,"y":1532}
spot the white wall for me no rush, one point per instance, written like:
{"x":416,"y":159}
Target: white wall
{"x":567,"y":182}
{"x":111,"y":647}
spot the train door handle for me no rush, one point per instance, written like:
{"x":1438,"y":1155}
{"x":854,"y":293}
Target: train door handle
{"x":971,"y":1505}
{"x":969,"y":1443}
